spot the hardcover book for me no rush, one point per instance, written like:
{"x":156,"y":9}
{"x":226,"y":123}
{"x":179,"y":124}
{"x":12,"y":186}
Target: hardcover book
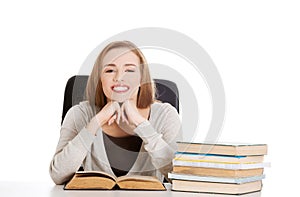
{"x":219,"y":188}
{"x":231,"y":166}
{"x":191,"y":177}
{"x":218,"y":158}
{"x":223,"y":149}
{"x":218,"y":172}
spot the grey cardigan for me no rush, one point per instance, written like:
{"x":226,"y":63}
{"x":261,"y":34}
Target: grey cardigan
{"x":77,"y":146}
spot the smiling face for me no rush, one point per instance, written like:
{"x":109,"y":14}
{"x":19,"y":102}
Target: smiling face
{"x":120,"y":75}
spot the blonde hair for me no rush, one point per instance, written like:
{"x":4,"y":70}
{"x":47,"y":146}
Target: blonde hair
{"x":94,"y":91}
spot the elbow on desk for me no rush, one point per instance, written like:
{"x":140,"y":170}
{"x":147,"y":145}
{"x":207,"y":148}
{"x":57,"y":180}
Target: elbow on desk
{"x":58,"y":177}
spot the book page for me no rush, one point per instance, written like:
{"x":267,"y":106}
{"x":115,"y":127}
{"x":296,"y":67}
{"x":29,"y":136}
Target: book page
{"x":95,"y":174}
{"x":139,"y":182}
{"x":137,"y":178}
{"x":223,"y":143}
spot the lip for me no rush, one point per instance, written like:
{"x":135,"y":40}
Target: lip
{"x":120,"y":88}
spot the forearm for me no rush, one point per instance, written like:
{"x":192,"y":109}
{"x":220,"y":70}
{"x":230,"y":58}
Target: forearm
{"x":68,"y":159}
{"x":160,"y":150}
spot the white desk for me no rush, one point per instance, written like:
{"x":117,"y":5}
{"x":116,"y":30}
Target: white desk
{"x":13,"y":189}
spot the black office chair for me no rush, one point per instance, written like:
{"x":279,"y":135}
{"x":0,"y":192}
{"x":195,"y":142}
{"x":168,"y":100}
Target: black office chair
{"x":166,"y":91}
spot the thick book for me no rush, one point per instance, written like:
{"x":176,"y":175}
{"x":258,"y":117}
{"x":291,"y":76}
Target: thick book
{"x":216,"y":188}
{"x":191,"y":177}
{"x":240,"y":173}
{"x":102,"y":180}
{"x":223,"y":148}
{"x":231,"y":166}
{"x":218,"y":158}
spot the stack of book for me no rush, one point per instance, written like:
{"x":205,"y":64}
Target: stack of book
{"x":218,"y":168}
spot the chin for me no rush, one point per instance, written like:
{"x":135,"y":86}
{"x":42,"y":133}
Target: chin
{"x":119,"y":98}
{"x":122,"y":97}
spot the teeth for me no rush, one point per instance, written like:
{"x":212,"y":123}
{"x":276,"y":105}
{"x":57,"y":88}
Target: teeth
{"x":120,"y":88}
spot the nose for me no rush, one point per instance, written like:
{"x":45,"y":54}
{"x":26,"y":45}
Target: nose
{"x":119,"y":76}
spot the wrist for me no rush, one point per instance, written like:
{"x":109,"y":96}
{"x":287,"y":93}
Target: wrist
{"x":146,"y":132}
{"x":100,"y":120}
{"x":93,"y":126}
{"x":139,"y":121}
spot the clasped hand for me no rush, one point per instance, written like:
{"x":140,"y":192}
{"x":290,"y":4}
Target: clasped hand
{"x":126,"y":112}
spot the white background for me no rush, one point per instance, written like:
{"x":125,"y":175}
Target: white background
{"x":254,"y":44}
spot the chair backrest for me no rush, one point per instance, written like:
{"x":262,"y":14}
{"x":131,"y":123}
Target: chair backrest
{"x":166,"y":91}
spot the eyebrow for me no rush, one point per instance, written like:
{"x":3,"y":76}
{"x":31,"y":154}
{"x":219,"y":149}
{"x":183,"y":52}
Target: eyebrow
{"x":129,"y":64}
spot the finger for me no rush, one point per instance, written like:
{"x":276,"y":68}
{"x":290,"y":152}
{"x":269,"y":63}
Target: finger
{"x":116,"y":107}
{"x":118,"y":110}
{"x":127,"y":111}
{"x":112,"y":119}
{"x":124,"y":115}
{"x":121,"y":113}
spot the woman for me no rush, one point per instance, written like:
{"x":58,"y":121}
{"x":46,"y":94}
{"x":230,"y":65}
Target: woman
{"x":120,"y":129}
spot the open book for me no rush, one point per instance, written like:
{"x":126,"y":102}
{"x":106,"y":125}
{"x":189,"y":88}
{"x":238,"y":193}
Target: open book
{"x":102,"y":180}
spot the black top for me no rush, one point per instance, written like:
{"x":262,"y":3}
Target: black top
{"x":122,"y":152}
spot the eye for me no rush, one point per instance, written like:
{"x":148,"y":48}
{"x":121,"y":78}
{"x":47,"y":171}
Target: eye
{"x":109,"y":71}
{"x":130,"y":70}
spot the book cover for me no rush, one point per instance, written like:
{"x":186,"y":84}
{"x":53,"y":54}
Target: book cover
{"x":238,"y":149}
{"x":216,"y":188}
{"x":232,"y":166}
{"x":190,"y":177}
{"x":218,"y":158}
{"x":219,"y":172}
